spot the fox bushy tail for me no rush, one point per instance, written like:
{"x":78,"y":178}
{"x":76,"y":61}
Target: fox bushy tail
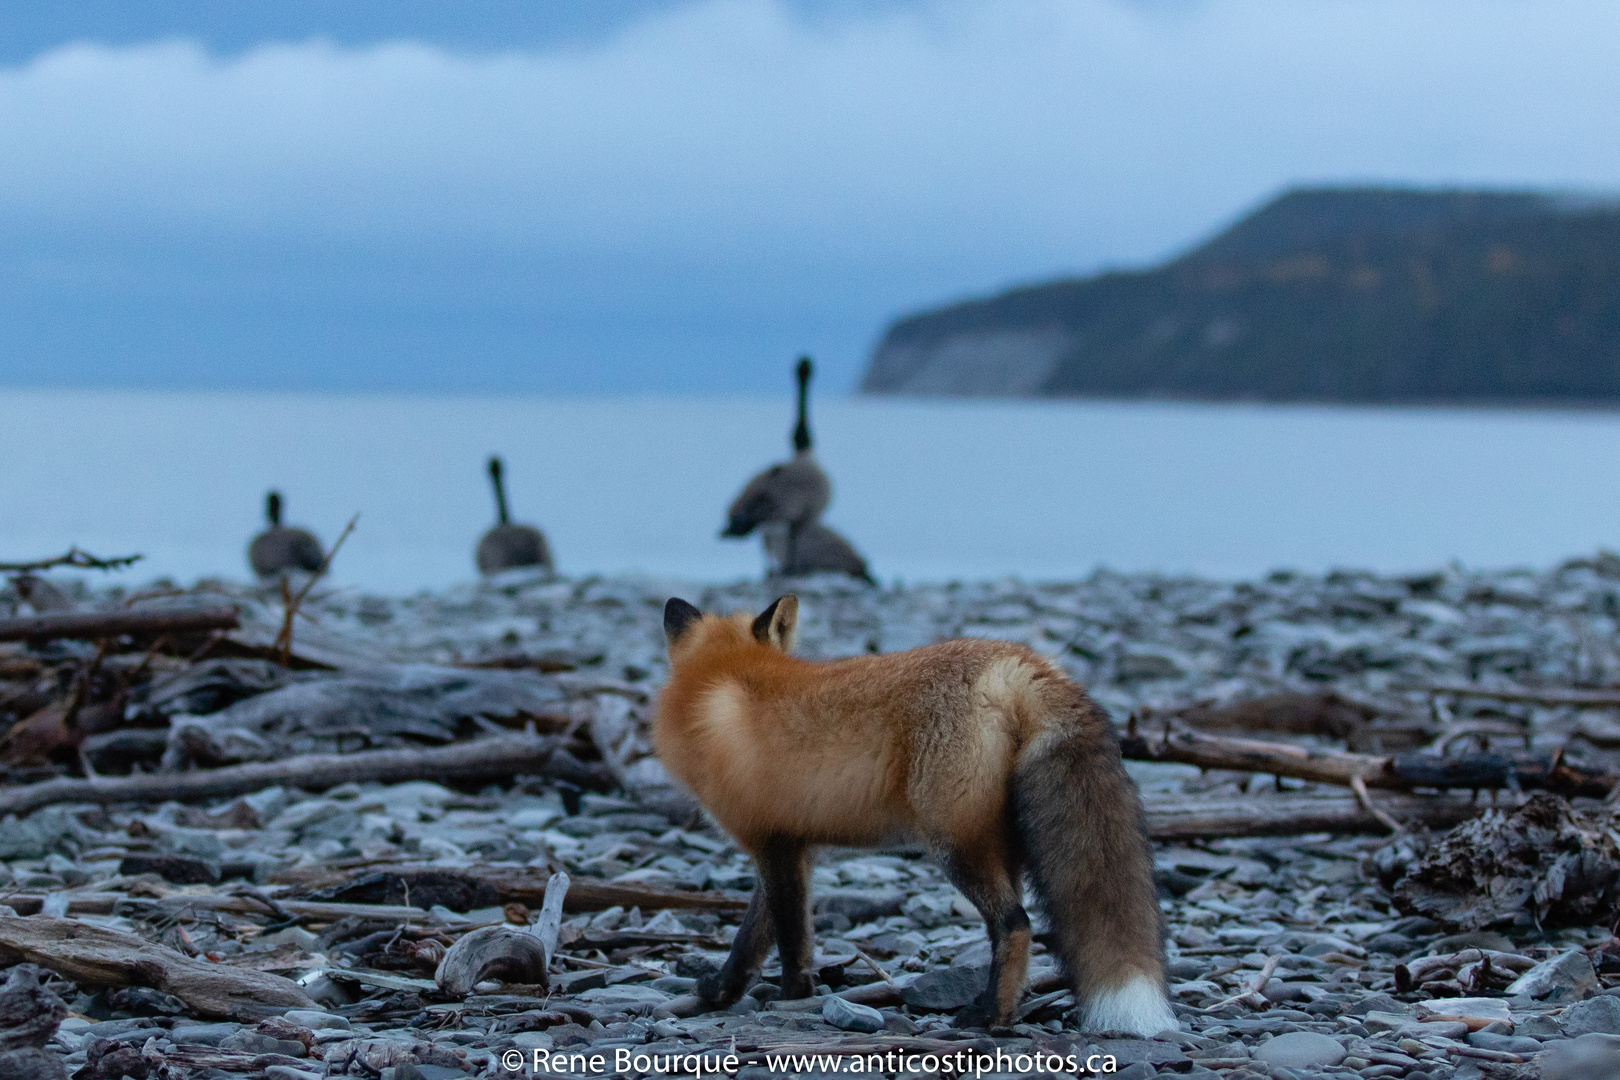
{"x":1085,"y":844}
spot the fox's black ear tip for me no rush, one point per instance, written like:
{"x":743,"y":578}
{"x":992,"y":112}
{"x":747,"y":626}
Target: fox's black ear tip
{"x":679,"y":617}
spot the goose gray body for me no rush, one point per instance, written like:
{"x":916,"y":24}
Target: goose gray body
{"x":811,"y":548}
{"x":282,"y":549}
{"x":509,"y":545}
{"x":786,"y":501}
{"x":796,"y":490}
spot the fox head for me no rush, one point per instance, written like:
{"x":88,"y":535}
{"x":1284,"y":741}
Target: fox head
{"x":689,"y":630}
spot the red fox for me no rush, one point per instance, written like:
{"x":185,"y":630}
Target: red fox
{"x":982,"y":749}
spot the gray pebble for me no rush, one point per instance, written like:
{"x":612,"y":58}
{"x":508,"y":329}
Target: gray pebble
{"x":1300,"y":1050}
{"x":851,"y":1016}
{"x":1508,"y":1044}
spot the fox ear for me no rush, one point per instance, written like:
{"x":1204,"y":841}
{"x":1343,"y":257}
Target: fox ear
{"x":778,"y":624}
{"x":678,"y":618}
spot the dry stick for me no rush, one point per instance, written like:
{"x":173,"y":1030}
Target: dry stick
{"x":1359,"y":786}
{"x":91,"y":626}
{"x":290,"y":607}
{"x":1528,"y":695}
{"x":479,"y":759}
{"x":873,"y":964}
{"x":1251,"y":995}
{"x":79,"y":560}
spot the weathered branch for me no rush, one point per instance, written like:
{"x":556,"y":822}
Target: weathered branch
{"x":1400,"y":772}
{"x":481,"y":759}
{"x":529,"y":886}
{"x":75,"y":559}
{"x":89,"y":626}
{"x":1597,"y":699}
{"x":1294,"y":814}
{"x":97,"y":956}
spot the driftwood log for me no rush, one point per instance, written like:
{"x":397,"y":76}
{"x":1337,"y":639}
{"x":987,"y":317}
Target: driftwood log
{"x":1297,"y":813}
{"x":1400,"y":772}
{"x":89,"y":626}
{"x":97,"y":956}
{"x":528,"y":886}
{"x":481,"y":759}
{"x":506,"y":952}
{"x":1363,"y":727}
{"x":584,"y":894}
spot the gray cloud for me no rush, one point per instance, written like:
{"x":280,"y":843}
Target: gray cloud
{"x":717,"y":184}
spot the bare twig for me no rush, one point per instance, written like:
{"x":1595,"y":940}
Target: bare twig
{"x":873,"y":964}
{"x":76,"y":559}
{"x":1250,"y":995}
{"x":291,"y":604}
{"x":1359,"y":786}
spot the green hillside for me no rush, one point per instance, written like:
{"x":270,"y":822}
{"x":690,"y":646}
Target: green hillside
{"x":1358,"y":295}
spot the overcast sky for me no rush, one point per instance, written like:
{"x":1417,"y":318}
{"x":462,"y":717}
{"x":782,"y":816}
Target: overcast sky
{"x":651,"y":195}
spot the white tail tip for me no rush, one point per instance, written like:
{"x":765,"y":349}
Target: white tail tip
{"x":1139,"y":1007}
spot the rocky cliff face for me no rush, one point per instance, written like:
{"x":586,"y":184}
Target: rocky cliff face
{"x":1366,"y":295}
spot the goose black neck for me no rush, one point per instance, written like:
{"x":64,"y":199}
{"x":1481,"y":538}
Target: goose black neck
{"x":500,"y":489}
{"x":801,"y":430}
{"x":272,"y":508}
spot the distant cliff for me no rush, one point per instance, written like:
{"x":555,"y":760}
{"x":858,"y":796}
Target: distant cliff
{"x":1356,"y":295}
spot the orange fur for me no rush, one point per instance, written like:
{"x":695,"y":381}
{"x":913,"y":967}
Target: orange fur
{"x":982,"y":749}
{"x":850,"y":752}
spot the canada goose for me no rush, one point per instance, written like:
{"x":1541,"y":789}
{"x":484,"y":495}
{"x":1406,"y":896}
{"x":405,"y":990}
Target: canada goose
{"x":279,"y":548}
{"x":785,"y":501}
{"x":793,"y":490}
{"x":811,"y":548}
{"x":508,"y":546}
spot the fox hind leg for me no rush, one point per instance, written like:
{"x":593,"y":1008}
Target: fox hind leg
{"x":779,"y":909}
{"x":784,"y":869}
{"x":992,"y":884}
{"x":722,"y":988}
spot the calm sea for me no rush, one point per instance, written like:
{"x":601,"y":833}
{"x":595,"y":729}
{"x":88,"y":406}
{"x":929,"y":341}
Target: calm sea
{"x":927,"y":490}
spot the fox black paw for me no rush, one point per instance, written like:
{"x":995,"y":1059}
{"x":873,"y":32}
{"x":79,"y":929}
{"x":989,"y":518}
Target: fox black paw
{"x":802,"y":987}
{"x":720,"y":991}
{"x":975,"y":1016}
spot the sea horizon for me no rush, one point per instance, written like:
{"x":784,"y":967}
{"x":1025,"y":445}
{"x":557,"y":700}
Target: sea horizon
{"x":928,"y":489}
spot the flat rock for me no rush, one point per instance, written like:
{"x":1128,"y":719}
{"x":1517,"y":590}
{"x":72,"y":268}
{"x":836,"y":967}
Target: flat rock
{"x":946,"y":989}
{"x":1507,"y":1044}
{"x":180,"y":869}
{"x":1600,"y":1015}
{"x":1489,"y":1010}
{"x":252,"y":1042}
{"x":316,"y":1020}
{"x":1377,"y":1020}
{"x":851,"y":1016}
{"x":1300,"y":1050}
{"x":1590,"y":1057}
{"x":624,"y":994}
{"x":1568,"y":977}
{"x":202,"y":1034}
